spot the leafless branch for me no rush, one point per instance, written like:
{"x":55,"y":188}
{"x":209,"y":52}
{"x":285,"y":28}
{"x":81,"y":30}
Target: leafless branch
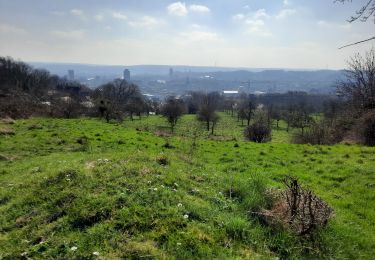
{"x":369,"y":39}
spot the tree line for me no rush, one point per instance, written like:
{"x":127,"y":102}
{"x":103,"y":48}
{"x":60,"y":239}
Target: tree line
{"x":319,"y":119}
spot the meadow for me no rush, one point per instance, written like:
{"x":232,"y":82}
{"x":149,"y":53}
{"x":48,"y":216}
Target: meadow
{"x":84,"y":188}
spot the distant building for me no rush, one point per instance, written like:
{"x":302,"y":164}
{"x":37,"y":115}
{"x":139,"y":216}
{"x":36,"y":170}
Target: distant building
{"x":71,"y":75}
{"x":230,"y":92}
{"x":127,"y":75}
{"x":170,"y":72}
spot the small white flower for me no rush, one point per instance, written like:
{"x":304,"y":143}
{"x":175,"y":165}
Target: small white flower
{"x":186,"y":216}
{"x":149,"y":182}
{"x":73,"y":248}
{"x":96,"y":253}
{"x":106,"y":160}
{"x":162,"y":186}
{"x":155,"y":189}
{"x":178,"y":244}
{"x":179,"y":205}
{"x":68,"y":179}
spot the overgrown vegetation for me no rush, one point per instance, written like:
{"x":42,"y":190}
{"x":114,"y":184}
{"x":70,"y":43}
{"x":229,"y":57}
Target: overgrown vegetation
{"x":72,"y":188}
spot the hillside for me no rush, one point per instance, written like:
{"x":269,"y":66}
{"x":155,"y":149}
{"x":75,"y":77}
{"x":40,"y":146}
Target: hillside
{"x":82,"y":188}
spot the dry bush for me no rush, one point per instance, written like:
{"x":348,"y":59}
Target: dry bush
{"x":162,"y":160}
{"x":8,"y":121}
{"x":35,"y":126}
{"x":319,"y":133}
{"x":258,"y":132}
{"x":298,"y":209}
{"x":6,"y":131}
{"x":364,"y":130}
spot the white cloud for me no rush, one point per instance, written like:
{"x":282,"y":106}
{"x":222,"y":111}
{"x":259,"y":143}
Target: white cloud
{"x":6,"y":28}
{"x":261,"y":13}
{"x":199,"y":36}
{"x":196,"y":26}
{"x":58,"y":13}
{"x":332,"y":25}
{"x":322,"y":23}
{"x":145,"y":22}
{"x":254,"y":23}
{"x":286,"y":2}
{"x":178,"y":9}
{"x":76,"y":12}
{"x":199,"y":8}
{"x":284,"y":13}
{"x":69,"y":35}
{"x":99,"y":17}
{"x":257,"y":27}
{"x":238,"y":17}
{"x":119,"y":16}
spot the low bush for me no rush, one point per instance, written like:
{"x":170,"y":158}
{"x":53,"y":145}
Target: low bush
{"x":298,"y":209}
{"x":365,"y":128}
{"x":258,"y":132}
{"x":319,"y":133}
{"x":162,"y":160}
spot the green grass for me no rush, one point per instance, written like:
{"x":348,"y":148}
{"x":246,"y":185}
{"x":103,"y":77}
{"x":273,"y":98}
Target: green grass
{"x":99,"y":187}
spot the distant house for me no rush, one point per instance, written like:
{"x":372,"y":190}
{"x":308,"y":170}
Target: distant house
{"x":230,"y":93}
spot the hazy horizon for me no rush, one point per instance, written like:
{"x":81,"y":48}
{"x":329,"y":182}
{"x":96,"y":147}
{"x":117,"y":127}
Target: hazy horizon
{"x":283,"y":34}
{"x":181,"y":65}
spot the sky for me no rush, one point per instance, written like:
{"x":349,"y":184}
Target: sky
{"x":226,"y":33}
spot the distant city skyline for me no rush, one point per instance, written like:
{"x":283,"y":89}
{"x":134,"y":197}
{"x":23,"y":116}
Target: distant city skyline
{"x":301,"y":34}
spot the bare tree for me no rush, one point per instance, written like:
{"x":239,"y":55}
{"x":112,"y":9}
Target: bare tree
{"x":114,"y":98}
{"x":207,"y":109}
{"x":301,"y":118}
{"x":172,"y":110}
{"x":359,"y":87}
{"x":246,"y":108}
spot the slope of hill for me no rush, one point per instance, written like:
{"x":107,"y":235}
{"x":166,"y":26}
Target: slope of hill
{"x":82,"y":188}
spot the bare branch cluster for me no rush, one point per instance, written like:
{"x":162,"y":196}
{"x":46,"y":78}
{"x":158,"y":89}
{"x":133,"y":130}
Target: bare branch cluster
{"x":306,"y":211}
{"x":359,"y":86}
{"x":364,"y":13}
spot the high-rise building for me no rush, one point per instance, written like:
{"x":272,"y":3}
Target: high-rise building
{"x":127,"y":75}
{"x":70,"y":74}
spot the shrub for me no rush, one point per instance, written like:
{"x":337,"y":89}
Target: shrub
{"x":258,"y":132}
{"x":162,"y":160}
{"x":298,"y":209}
{"x":6,"y":131}
{"x":318,"y":133}
{"x":366,"y":128}
{"x":84,"y":142}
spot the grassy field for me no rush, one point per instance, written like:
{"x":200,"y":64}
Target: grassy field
{"x":82,"y":188}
